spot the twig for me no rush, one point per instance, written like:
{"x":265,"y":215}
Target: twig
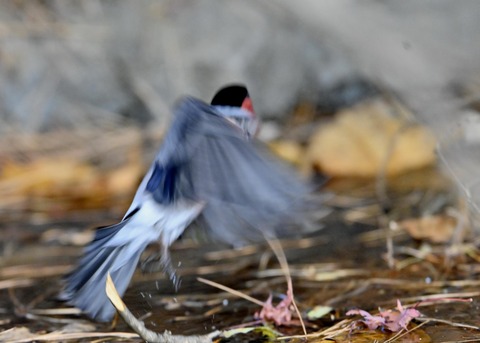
{"x":432,"y":299}
{"x":401,"y":334}
{"x":31,"y":316}
{"x":282,"y":259}
{"x":139,"y":326}
{"x":475,"y":339}
{"x":448,"y":322}
{"x":232,"y":291}
{"x":63,"y":336}
{"x":15,"y":283}
{"x":330,"y":332}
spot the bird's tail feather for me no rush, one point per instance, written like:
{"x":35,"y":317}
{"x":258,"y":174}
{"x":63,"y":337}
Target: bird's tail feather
{"x":85,"y":287}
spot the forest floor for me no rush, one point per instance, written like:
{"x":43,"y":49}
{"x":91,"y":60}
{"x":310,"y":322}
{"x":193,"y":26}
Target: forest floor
{"x":366,"y":256}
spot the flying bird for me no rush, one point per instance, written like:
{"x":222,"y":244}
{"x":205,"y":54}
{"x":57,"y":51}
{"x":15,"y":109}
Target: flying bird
{"x":210,"y":169}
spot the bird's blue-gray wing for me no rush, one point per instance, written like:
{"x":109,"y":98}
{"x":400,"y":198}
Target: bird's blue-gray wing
{"x":247,"y":192}
{"x":206,"y":158}
{"x":176,"y":149}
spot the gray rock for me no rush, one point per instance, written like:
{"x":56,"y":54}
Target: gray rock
{"x":71,"y":64}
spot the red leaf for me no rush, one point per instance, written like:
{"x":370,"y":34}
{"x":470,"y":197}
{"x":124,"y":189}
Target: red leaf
{"x":392,"y":320}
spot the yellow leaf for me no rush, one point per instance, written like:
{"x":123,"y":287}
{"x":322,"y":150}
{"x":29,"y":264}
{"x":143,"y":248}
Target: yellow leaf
{"x":435,"y":228}
{"x":318,"y":311}
{"x":112,"y":294}
{"x":287,"y":150}
{"x":366,"y":138}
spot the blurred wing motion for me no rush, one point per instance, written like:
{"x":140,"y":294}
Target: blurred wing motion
{"x":247,"y":193}
{"x":206,"y":166}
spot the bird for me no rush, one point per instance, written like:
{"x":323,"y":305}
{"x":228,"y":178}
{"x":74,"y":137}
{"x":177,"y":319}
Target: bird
{"x":210,"y":169}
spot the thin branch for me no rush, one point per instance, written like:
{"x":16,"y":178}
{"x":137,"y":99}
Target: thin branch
{"x":139,"y":326}
{"x":231,"y":290}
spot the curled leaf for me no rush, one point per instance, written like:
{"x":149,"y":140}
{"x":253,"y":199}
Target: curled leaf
{"x":392,"y":320}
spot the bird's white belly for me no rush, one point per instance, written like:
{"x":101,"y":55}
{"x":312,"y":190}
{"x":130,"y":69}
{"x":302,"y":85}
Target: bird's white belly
{"x":162,"y":222}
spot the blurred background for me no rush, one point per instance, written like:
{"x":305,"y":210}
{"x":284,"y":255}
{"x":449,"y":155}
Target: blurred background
{"x":378,"y":99}
{"x":86,"y":89}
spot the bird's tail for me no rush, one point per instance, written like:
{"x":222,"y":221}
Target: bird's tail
{"x":109,"y":252}
{"x":116,"y":250}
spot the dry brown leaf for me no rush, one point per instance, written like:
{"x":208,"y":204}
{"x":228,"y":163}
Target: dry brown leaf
{"x":366,"y":336}
{"x":361,"y":139}
{"x":15,"y":333}
{"x":45,"y":176}
{"x":59,"y":336}
{"x":435,"y":228}
{"x":52,"y":180}
{"x":124,"y":180}
{"x":288,"y":150}
{"x":58,"y":184}
{"x":67,"y":237}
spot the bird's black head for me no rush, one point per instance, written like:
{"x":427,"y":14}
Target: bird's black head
{"x":233,"y":103}
{"x":235,"y":95}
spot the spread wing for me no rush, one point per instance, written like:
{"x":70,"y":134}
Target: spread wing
{"x":247,"y":193}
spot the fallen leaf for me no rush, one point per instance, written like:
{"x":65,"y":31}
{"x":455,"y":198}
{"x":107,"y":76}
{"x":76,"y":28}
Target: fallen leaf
{"x":262,"y":330}
{"x":372,"y":322}
{"x":392,"y":320}
{"x":281,"y":314}
{"x":434,"y":228}
{"x":318,"y":312}
{"x":15,"y":333}
{"x":125,"y":179}
{"x":288,"y":150}
{"x":52,"y":184}
{"x":113,"y":295}
{"x":366,"y":138}
{"x":67,"y":236}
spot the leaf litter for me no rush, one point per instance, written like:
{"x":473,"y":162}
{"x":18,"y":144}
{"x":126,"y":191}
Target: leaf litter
{"x":413,"y":285}
{"x":354,"y":273}
{"x":392,"y":320}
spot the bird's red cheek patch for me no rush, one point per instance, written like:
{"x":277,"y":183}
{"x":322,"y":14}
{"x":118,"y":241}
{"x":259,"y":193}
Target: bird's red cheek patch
{"x":247,"y":105}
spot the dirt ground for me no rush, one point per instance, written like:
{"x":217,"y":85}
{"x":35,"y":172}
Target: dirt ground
{"x":345,"y":265}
